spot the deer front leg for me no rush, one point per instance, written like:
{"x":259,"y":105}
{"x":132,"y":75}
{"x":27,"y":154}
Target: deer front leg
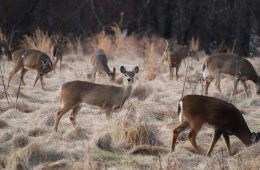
{"x":176,"y":133}
{"x":216,"y":136}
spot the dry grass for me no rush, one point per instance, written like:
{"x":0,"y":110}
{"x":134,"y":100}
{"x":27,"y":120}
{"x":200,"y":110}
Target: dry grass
{"x":39,"y":40}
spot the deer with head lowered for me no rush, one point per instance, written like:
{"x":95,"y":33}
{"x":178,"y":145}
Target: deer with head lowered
{"x":57,"y":54}
{"x":106,"y":97}
{"x":231,"y":64}
{"x":99,"y":63}
{"x":225,"y":118}
{"x":25,"y":59}
{"x":175,"y":55}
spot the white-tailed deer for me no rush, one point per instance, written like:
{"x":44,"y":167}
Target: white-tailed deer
{"x":57,"y":54}
{"x":99,"y":63}
{"x":225,"y":118}
{"x":25,"y":59}
{"x":231,"y":64}
{"x":106,"y":97}
{"x":175,"y":55}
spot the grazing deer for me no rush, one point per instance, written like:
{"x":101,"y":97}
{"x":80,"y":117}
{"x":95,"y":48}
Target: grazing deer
{"x":175,"y":55}
{"x":231,"y":64}
{"x":30,"y":59}
{"x":225,"y":118}
{"x":99,"y":63}
{"x":57,"y":54}
{"x":107,"y":97}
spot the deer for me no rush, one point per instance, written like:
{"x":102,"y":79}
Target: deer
{"x":223,"y":117}
{"x":99,"y":63}
{"x":231,"y":64}
{"x":106,"y":97}
{"x":57,"y":54}
{"x":25,"y":59}
{"x":175,"y":55}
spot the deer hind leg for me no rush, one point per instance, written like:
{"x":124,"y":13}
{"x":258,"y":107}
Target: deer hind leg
{"x":171,"y":72}
{"x":227,"y":142}
{"x":176,"y":133}
{"x":24,"y":71}
{"x":245,"y":87}
{"x":177,"y":69}
{"x":108,"y":113}
{"x":217,"y":82}
{"x":192,"y":137}
{"x":65,"y":108}
{"x":73,"y":114}
{"x":12,"y":73}
{"x":216,"y":136}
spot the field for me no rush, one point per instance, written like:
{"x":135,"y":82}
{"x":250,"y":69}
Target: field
{"x":27,"y":140}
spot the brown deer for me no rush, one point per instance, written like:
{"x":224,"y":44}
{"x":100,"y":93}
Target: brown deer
{"x":106,"y":97}
{"x":57,"y":54}
{"x":225,"y":118}
{"x":25,"y":59}
{"x":99,"y":63}
{"x":231,"y":64}
{"x":175,"y":55}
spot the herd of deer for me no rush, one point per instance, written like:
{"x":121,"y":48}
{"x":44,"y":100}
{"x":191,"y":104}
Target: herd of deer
{"x":193,"y":110}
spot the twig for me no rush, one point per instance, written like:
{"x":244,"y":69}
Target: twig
{"x":5,"y":90}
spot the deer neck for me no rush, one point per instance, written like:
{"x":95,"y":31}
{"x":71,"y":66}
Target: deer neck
{"x":126,"y":93}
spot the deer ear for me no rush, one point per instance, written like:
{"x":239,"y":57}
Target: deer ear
{"x":122,"y":69}
{"x":136,"y":70}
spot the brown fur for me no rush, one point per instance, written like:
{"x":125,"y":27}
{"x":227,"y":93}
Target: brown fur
{"x":106,"y":97}
{"x":25,"y":59}
{"x":230,"y":64}
{"x":99,"y":63}
{"x":224,"y":117}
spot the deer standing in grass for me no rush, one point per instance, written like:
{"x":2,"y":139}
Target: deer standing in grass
{"x":231,"y":64}
{"x":25,"y":59}
{"x":175,"y":55}
{"x":57,"y":54}
{"x":99,"y":63}
{"x":106,"y":97}
{"x":225,"y":118}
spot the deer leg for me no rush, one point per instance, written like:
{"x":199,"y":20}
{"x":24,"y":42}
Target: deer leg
{"x":177,"y":69}
{"x":12,"y":73}
{"x":60,"y":63}
{"x":176,"y":133}
{"x":216,"y":136}
{"x":108,"y":113}
{"x":245,"y":87}
{"x":54,"y":65}
{"x":73,"y":114}
{"x":227,"y":142}
{"x":60,"y":113}
{"x":217,"y":82}
{"x":24,"y":71}
{"x":192,"y":137}
{"x":235,"y":85}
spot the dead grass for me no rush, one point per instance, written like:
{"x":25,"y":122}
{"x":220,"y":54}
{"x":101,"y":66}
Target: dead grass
{"x":142,"y":91}
{"x":40,"y":40}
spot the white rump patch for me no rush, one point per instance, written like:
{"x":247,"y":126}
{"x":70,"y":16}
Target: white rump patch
{"x":205,"y":73}
{"x":180,"y":105}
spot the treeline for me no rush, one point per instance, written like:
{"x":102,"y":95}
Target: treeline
{"x":222,"y":21}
